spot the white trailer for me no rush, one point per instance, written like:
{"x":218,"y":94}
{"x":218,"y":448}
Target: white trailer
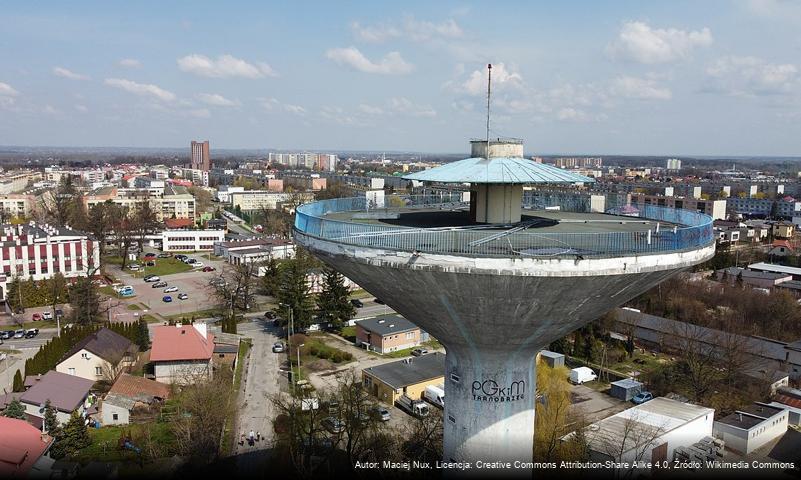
{"x":582,"y":374}
{"x":435,"y":394}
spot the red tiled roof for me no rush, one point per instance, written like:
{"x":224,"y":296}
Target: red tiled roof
{"x":21,"y":446}
{"x":132,"y":386}
{"x":782,"y":243}
{"x":180,"y":343}
{"x":178,"y":222}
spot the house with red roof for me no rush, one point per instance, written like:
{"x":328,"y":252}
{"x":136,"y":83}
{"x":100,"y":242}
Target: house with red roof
{"x":182,"y":353}
{"x":22,"y":449}
{"x":781,"y":248}
{"x":178,"y":223}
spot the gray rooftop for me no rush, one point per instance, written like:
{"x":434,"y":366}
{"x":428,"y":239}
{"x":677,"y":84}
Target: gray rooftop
{"x":105,"y":343}
{"x":65,"y":392}
{"x":627,"y":383}
{"x":746,"y":273}
{"x":387,"y":325}
{"x":498,"y":170}
{"x":418,"y":369}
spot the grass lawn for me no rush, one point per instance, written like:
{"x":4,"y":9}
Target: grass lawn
{"x":105,"y":440}
{"x":207,"y":313}
{"x":641,"y":362}
{"x":348,"y":333}
{"x":38,"y":324}
{"x":228,"y":435}
{"x":360,"y":293}
{"x":133,"y":306}
{"x":164,"y":266}
{"x":150,"y":318}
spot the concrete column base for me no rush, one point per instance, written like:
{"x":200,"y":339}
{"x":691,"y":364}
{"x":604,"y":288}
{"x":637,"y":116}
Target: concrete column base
{"x":489,"y":406}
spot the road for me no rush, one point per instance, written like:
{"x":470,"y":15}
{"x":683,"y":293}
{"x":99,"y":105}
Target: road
{"x":260,"y":381}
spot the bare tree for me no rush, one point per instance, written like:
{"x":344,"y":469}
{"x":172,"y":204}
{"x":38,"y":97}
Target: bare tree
{"x":203,"y":408}
{"x":238,"y":292}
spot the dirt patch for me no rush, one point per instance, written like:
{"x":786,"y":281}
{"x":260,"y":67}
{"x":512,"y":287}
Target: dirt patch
{"x":318,"y":365}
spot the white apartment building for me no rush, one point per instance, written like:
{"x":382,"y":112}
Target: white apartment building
{"x":224,"y":192}
{"x":258,"y":199}
{"x":190,"y":240}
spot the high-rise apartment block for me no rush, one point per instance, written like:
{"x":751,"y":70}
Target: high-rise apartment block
{"x":201,"y":160}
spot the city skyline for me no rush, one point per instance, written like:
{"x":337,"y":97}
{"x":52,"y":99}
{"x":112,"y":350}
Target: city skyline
{"x":718,"y":78}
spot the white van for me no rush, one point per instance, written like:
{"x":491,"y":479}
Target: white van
{"x":435,"y":394}
{"x":582,"y":374}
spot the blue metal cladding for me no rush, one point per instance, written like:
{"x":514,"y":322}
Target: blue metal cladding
{"x":498,"y":170}
{"x":683,"y":230}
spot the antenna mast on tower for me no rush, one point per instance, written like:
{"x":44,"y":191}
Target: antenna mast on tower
{"x":489,"y":92}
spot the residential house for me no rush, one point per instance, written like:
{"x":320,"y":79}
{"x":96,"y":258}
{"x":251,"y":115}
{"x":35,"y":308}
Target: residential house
{"x":182,"y":353}
{"x":22,"y":449}
{"x":783,"y":230}
{"x":67,"y":394}
{"x":387,"y":333}
{"x":128,"y":394}
{"x":409,"y":377}
{"x":781,"y":248}
{"x":751,"y":427}
{"x":102,"y":355}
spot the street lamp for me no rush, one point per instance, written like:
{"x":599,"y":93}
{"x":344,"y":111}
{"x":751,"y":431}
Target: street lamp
{"x":299,"y":347}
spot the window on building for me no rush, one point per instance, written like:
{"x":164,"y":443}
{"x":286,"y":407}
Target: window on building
{"x":98,"y":371}
{"x":115,"y":416}
{"x":71,"y":371}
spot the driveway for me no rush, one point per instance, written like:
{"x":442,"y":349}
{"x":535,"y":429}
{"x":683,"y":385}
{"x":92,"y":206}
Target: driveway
{"x":595,"y":405}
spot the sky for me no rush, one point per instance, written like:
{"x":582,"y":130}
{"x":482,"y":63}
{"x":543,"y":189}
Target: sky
{"x":580,"y":77}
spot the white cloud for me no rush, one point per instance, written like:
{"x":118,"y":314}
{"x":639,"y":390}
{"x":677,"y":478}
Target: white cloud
{"x":7,"y":90}
{"x":570,"y":114}
{"x":224,"y":66}
{"x":407,"y":107}
{"x":370,"y":109}
{"x":409,"y":28}
{"x":129,"y":63}
{"x":638,"y":42}
{"x":217,"y":100}
{"x":752,"y":76}
{"x":295,"y":109}
{"x":268,"y":103}
{"x":144,"y":89}
{"x":639,"y":88}
{"x":502,"y":79}
{"x":81,"y":108}
{"x":50,"y":110}
{"x":391,"y":64}
{"x":64,"y":73}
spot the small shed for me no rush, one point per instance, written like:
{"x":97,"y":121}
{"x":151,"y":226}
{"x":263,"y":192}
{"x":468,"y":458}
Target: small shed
{"x":625,"y":389}
{"x":552,"y":359}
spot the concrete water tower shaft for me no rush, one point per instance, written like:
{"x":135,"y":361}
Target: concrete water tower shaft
{"x":496,"y":281}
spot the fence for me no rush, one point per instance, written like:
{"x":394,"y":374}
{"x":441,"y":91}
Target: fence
{"x":676,"y":230}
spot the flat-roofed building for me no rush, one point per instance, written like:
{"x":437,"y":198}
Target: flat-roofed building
{"x":409,"y":377}
{"x":190,"y":240}
{"x":649,"y":432}
{"x":751,"y":427}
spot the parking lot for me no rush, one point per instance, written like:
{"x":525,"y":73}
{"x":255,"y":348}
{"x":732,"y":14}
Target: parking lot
{"x":194,"y":283}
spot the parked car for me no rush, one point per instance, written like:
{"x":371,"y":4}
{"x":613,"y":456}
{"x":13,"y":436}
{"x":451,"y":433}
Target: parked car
{"x":48,"y":315}
{"x":19,"y":334}
{"x":171,"y":289}
{"x":269,"y":315}
{"x":181,"y":257}
{"x":164,"y":255}
{"x":150,"y":255}
{"x":59,"y":313}
{"x":182,"y":296}
{"x":159,"y":285}
{"x":417,"y":352}
{"x":209,"y":268}
{"x":642,"y":397}
{"x":278,"y":347}
{"x":152,"y":278}
{"x":150,"y":264}
{"x":36,"y":317}
{"x":133,"y":268}
{"x":379,"y":301}
{"x":196,"y":264}
{"x":166,"y":299}
{"x":32,"y":333}
{"x":190,"y":261}
{"x":6,"y":334}
{"x":382,"y":413}
{"x":356,"y":303}
{"x":333,"y":425}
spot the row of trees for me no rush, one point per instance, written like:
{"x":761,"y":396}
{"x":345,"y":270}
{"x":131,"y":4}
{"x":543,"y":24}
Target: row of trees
{"x":29,"y":293}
